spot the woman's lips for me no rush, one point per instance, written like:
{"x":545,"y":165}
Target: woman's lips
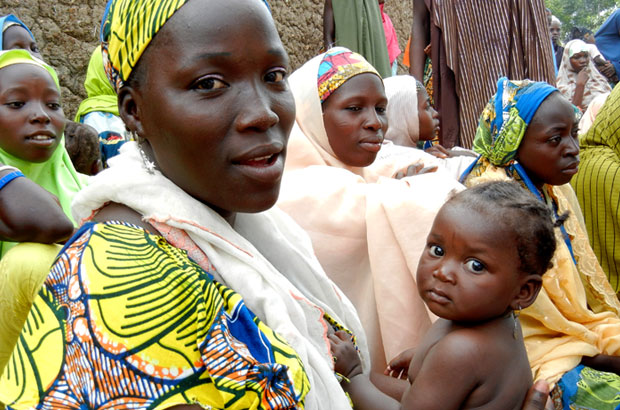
{"x":265,"y":169}
{"x":372,"y":144}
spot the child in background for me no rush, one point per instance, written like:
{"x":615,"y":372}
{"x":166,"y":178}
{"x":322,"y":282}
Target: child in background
{"x":485,"y":256}
{"x":578,"y":78}
{"x":82,"y":144}
{"x":100,"y":109}
{"x":391,"y":39}
{"x":31,"y":127}
{"x":16,"y":35}
{"x":413,"y":123}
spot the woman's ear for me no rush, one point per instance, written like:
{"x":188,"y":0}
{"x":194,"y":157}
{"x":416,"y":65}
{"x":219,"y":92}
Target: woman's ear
{"x":530,"y":286}
{"x":129,"y":100}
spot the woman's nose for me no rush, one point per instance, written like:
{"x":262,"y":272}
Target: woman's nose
{"x":257,"y":112}
{"x":572,"y":147}
{"x":373,"y":121}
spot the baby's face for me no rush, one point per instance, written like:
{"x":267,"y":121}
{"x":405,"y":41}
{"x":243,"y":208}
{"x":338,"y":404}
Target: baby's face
{"x":17,"y":37}
{"x":549,"y":151}
{"x":31,"y":118}
{"x":469,"y":269}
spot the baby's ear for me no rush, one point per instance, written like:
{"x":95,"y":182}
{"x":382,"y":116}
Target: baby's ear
{"x":530,"y":286}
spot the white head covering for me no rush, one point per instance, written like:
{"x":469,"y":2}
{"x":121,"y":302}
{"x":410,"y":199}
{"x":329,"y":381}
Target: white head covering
{"x":402,"y":108}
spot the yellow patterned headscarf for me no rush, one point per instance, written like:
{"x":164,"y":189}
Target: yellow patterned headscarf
{"x":127,"y":28}
{"x":339,"y":64}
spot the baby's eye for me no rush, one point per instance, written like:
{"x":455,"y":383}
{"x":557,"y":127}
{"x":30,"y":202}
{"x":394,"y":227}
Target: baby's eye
{"x":436,"y":250}
{"x":275,"y":76}
{"x":54,"y":106}
{"x":475,"y":265}
{"x":15,"y":104}
{"x":380,"y":110}
{"x":209,"y":83}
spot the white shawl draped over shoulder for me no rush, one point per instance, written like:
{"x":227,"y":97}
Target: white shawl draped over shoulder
{"x":368,"y":230}
{"x":265,"y":257}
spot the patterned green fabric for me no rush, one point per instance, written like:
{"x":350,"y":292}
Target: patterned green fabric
{"x":505,"y":118}
{"x":597,"y":185}
{"x":584,"y":388}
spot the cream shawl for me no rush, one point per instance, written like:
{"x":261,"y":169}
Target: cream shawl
{"x":368,"y":230}
{"x":265,"y":257}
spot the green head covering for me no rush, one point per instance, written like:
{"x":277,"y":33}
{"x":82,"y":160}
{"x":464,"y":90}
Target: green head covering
{"x":101,"y":95}
{"x":57,"y":174}
{"x":506,"y":117}
{"x":127,"y":28}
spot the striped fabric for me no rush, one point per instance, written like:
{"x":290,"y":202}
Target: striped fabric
{"x":485,"y":40}
{"x":597,"y":185}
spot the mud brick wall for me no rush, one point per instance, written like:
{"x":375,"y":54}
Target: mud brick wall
{"x":67,"y":32}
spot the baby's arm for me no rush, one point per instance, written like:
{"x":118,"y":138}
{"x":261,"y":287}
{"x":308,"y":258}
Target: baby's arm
{"x":447,"y":376}
{"x":361,"y":390}
{"x":28,"y":213}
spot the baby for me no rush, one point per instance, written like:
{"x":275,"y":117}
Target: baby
{"x":484,"y":260}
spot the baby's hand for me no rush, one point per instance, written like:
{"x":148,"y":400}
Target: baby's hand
{"x":399,"y":366}
{"x":346,"y":359}
{"x":415,"y":169}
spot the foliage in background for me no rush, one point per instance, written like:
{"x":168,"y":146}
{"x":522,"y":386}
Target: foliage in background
{"x":582,"y":13}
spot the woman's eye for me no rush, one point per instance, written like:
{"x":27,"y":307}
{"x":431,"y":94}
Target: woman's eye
{"x":436,"y":250}
{"x":554,"y":140}
{"x":210,"y":83}
{"x":380,"y":110}
{"x":353,"y":108}
{"x":475,"y":265}
{"x":275,"y":76}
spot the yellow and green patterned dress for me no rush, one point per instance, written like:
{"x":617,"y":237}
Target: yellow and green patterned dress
{"x":125,"y":320}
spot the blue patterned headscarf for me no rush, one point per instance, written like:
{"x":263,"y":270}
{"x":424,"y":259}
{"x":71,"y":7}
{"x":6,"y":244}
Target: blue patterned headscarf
{"x":506,"y":117}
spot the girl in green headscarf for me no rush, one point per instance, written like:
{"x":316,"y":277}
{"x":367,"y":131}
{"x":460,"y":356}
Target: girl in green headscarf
{"x":31,"y":138}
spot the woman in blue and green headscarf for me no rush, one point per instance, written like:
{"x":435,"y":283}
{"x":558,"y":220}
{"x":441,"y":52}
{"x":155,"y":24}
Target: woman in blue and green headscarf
{"x":528,"y":133}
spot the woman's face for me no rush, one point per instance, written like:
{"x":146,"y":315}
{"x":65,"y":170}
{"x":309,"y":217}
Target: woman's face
{"x":31,"y":118}
{"x":355,"y":120}
{"x":17,"y":37}
{"x":579,"y":61}
{"x":549,"y":151}
{"x":214,"y":104}
{"x":428,"y":118}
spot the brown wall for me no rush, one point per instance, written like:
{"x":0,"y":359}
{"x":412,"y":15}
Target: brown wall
{"x":67,"y":32}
